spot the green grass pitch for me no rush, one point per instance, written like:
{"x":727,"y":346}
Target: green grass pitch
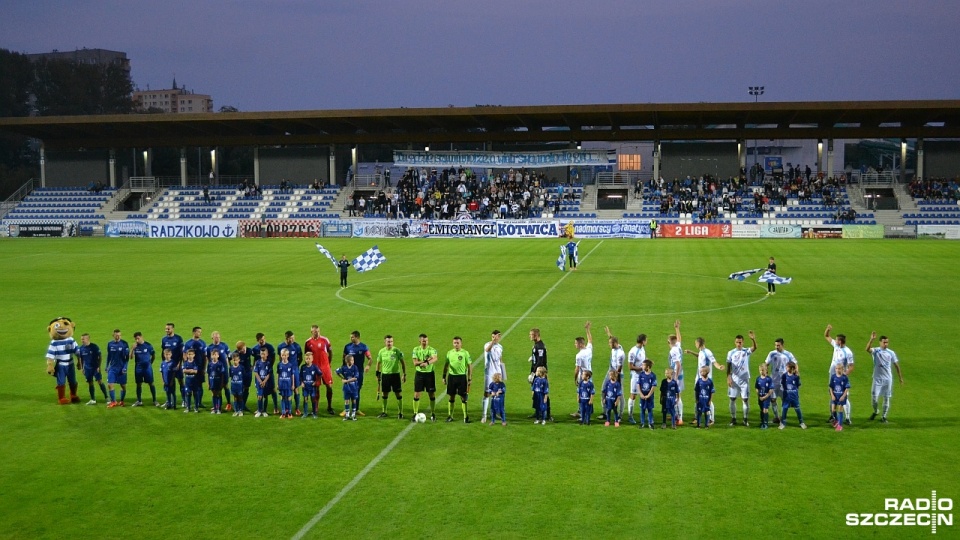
{"x":89,"y":472}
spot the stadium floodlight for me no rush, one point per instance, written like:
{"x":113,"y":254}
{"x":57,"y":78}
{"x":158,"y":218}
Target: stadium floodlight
{"x":755,"y":91}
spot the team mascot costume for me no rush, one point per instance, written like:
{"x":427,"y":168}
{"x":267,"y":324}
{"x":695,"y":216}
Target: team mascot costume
{"x":60,"y":358}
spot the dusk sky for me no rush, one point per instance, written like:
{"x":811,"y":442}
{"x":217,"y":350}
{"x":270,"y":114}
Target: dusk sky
{"x":300,"y":55}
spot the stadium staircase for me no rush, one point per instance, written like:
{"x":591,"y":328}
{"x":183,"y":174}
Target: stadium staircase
{"x":59,"y":204}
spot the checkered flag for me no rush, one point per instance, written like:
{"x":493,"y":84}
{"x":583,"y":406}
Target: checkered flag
{"x":369,"y":259}
{"x":324,"y":251}
{"x":744,"y":274}
{"x":770,"y":277}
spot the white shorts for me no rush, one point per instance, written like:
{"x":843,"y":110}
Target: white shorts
{"x":742,"y":391}
{"x":634,"y":383}
{"x":680,"y":384}
{"x":881,"y":389}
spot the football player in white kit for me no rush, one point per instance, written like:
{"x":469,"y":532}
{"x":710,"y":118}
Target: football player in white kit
{"x":635,"y":357}
{"x":676,"y":364}
{"x":584,"y":360}
{"x":841,"y":355}
{"x":492,"y":364}
{"x":738,"y":377}
{"x":777,"y":361}
{"x":617,"y":359}
{"x":706,"y":359}
{"x":883,"y":357}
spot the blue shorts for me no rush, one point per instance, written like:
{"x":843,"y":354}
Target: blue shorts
{"x":116,"y":377}
{"x":189,"y":383}
{"x":703,"y":405}
{"x":309,"y":390}
{"x":350,"y":392}
{"x":646,"y":404}
{"x":169,"y":377}
{"x":92,"y":374}
{"x":215,"y":385}
{"x":837,"y":401}
{"x":791,"y":401}
{"x":65,"y":373}
{"x":236,"y":389}
{"x":285,"y":391}
{"x":143,"y":377}
{"x":763,"y":403}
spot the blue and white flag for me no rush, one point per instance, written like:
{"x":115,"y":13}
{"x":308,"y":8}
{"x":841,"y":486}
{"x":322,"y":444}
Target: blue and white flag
{"x":770,"y":277}
{"x":564,"y":250}
{"x":323,"y":250}
{"x":742,"y":275}
{"x":369,"y":259}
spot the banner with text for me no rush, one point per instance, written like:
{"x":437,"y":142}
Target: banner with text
{"x":863,"y":231}
{"x":134,"y":228}
{"x":611,"y":229}
{"x":947,"y":232}
{"x":701,"y":230}
{"x":454,"y":229}
{"x":822,"y":231}
{"x":280,"y":228}
{"x":504,"y":160}
{"x":780,"y":231}
{"x":192,"y":228}
{"x":746,"y":231}
{"x":374,"y":228}
{"x":41,"y":230}
{"x":528,"y":229}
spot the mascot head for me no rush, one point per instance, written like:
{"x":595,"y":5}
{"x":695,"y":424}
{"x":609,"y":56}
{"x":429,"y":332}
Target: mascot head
{"x":61,"y":328}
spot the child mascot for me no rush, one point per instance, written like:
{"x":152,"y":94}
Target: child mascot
{"x":60,"y":358}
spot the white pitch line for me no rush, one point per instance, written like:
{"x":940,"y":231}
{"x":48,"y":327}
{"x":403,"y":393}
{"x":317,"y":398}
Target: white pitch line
{"x":403,"y":433}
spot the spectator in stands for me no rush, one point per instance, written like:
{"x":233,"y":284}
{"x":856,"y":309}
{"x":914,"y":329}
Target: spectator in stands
{"x":206,"y":194}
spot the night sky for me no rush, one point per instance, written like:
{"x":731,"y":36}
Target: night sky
{"x":299,"y":55}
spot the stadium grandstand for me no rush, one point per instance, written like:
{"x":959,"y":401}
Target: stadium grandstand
{"x":715,"y":188}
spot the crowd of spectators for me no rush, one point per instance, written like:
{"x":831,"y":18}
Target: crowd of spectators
{"x":935,"y":189}
{"x":706,"y":196}
{"x":452,"y":193}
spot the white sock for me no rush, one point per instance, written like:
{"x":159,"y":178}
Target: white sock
{"x":630,"y":403}
{"x":733,"y":408}
{"x":486,"y":403}
{"x":746,"y":411}
{"x":679,"y":408}
{"x":712,"y":413}
{"x":846,"y":410}
{"x":886,"y":406}
{"x":876,"y":404}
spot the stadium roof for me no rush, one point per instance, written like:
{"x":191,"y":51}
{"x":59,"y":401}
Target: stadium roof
{"x":548,"y":123}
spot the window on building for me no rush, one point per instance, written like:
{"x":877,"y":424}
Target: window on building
{"x":629,"y":162}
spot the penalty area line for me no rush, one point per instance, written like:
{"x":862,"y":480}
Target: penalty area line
{"x":405,"y":431}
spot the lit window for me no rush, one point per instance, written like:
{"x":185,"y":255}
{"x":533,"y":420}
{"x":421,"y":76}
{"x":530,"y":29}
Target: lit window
{"x":629,"y":162}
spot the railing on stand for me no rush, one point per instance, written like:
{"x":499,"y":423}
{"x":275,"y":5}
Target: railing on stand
{"x":369,"y":181}
{"x":17,"y":196}
{"x":622,"y":180}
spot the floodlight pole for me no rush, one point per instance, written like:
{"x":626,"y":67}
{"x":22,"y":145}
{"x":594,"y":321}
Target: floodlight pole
{"x":756,"y":92}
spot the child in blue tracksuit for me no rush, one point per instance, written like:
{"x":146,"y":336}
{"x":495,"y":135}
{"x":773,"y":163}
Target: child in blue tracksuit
{"x":704,"y":390}
{"x":585,"y":392}
{"x":669,"y":390}
{"x":217,"y":380}
{"x":286,"y":382}
{"x":263,"y":373}
{"x":237,"y":373}
{"x":541,"y":394}
{"x":790,"y":382}
{"x":309,"y":375}
{"x":168,"y":370}
{"x":191,"y":386}
{"x":612,"y":393}
{"x":497,"y":391}
{"x":765,"y":395}
{"x":647,"y":386}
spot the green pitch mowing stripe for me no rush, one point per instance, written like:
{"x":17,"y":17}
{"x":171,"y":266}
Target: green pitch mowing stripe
{"x":87,"y":471}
